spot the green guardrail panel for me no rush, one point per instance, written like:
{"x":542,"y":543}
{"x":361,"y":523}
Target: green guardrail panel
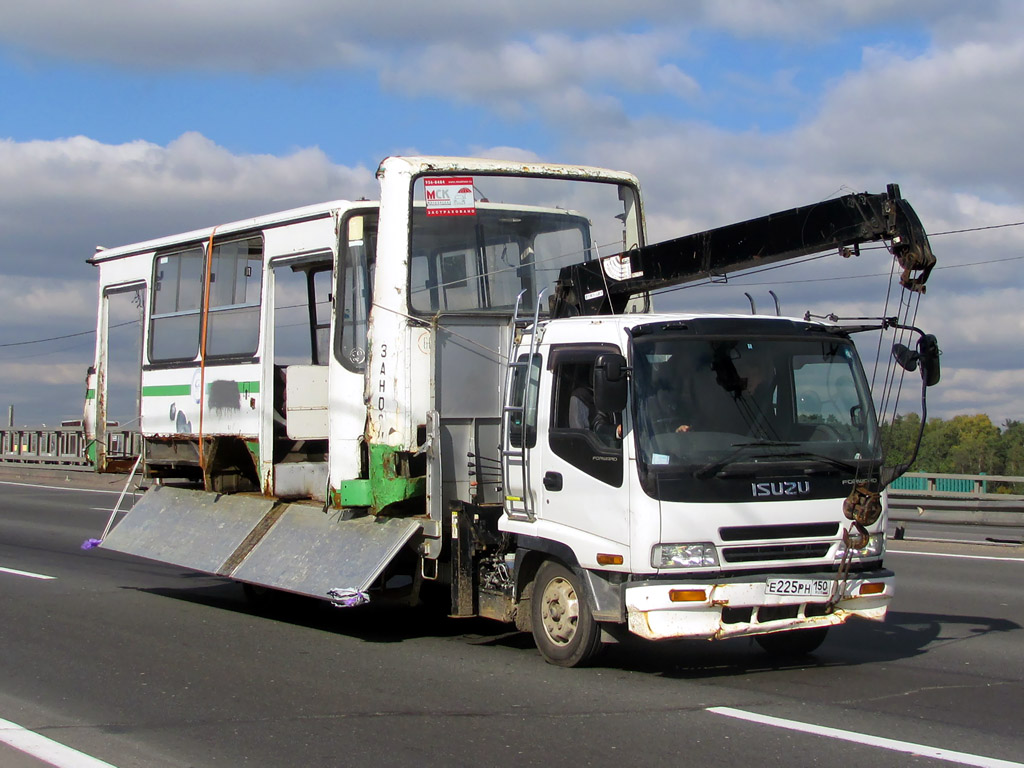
{"x":954,"y":485}
{"x":909,"y":484}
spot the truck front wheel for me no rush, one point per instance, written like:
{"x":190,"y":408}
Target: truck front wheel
{"x":563,"y":626}
{"x":795,"y":642}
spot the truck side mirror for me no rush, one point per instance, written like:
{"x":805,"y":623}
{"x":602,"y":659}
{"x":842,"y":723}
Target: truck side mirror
{"x":906,"y":358}
{"x":927,"y":355}
{"x":928,"y":350}
{"x":611,"y":384}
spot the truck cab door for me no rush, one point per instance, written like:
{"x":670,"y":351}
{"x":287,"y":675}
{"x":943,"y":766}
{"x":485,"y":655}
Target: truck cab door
{"x":580,"y":457}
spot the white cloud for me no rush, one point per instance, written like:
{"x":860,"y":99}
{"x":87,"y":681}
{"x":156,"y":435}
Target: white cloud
{"x":943,"y":123}
{"x":567,"y":78}
{"x":970,"y":391}
{"x":186,"y":35}
{"x":28,"y":298}
{"x":950,"y":116}
{"x":990,"y":327}
{"x":59,"y":199}
{"x":278,"y":35}
{"x":48,"y":373}
{"x":797,"y":20}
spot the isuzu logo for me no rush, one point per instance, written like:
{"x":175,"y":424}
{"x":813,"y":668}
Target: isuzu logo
{"x":785,"y":488}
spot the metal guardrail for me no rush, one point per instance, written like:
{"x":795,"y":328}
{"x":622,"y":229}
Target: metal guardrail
{"x":980,"y":485}
{"x":957,"y":499}
{"x":915,"y":497}
{"x":62,"y":446}
{"x":912,"y":510}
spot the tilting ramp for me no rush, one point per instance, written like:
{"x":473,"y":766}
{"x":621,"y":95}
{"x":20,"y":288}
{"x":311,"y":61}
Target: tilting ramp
{"x":309,"y":552}
{"x":294,"y":547}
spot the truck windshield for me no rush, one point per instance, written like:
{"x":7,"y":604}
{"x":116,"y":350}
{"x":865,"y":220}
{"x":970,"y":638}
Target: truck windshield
{"x":703,"y":404}
{"x":478,"y":241}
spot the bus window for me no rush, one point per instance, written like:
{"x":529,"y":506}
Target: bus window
{"x":236,"y":278}
{"x":177,"y":297}
{"x":356,"y":258}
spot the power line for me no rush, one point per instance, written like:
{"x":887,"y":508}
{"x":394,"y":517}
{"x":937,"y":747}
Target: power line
{"x":976,"y":229}
{"x":875,"y":274}
{"x":692,"y":285}
{"x":65,"y":336}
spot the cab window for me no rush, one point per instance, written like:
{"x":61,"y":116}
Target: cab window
{"x":580,"y":433}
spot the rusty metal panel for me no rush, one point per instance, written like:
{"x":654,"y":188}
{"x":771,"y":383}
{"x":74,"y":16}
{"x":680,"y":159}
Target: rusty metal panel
{"x":294,"y":547}
{"x":301,"y":480}
{"x":193,"y":529}
{"x":310,"y":552}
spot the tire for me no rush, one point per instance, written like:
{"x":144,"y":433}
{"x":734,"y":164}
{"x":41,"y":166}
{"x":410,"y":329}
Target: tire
{"x":795,"y":642}
{"x":563,"y":626}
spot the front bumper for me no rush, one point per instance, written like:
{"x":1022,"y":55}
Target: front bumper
{"x":741,"y":607}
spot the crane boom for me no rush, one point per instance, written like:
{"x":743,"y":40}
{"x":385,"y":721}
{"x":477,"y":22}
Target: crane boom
{"x":604,"y":286}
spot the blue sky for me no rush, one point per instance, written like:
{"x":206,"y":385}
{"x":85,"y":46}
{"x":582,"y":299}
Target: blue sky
{"x":122,"y":120}
{"x":745,"y":83}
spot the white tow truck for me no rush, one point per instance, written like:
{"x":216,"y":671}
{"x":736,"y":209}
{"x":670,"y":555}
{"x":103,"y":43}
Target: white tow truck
{"x":464,"y":383}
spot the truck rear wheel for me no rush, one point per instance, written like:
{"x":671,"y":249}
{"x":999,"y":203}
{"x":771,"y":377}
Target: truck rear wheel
{"x":795,"y":642}
{"x":563,"y":626}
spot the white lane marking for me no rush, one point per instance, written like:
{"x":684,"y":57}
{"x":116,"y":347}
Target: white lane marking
{"x":909,"y":748}
{"x":57,"y":487}
{"x":29,"y":574}
{"x":47,"y":750}
{"x":949,"y":554}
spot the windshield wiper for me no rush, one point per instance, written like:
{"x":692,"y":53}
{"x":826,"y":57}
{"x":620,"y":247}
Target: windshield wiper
{"x":848,"y":466}
{"x":715,"y":467}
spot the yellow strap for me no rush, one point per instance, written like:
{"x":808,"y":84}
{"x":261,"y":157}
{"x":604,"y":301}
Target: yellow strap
{"x":202,"y":352}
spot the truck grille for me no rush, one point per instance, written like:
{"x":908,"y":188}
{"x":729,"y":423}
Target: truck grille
{"x":788,"y":531}
{"x":775,"y":552}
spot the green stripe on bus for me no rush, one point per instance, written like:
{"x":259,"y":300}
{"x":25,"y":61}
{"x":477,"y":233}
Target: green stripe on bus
{"x":170,"y":390}
{"x":166,"y":390}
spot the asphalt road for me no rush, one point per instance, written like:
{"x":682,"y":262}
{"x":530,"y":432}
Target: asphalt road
{"x":140,"y":664}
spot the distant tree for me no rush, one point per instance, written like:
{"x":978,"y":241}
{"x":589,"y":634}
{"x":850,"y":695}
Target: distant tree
{"x":977,"y":445}
{"x":966,"y":445}
{"x":898,"y":438}
{"x":1011,"y":448}
{"x":938,"y":441}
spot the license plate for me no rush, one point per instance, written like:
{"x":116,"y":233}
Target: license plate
{"x":799,"y":587}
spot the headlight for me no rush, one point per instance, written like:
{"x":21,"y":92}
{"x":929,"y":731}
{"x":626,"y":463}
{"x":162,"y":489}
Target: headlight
{"x":875,"y":547}
{"x":699,"y":555}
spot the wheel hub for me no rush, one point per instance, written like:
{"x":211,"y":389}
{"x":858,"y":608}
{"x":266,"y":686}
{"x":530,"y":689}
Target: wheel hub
{"x":560,"y":611}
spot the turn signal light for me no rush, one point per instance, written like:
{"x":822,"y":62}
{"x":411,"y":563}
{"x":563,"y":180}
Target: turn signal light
{"x":687,"y":595}
{"x":609,"y":559}
{"x":872,"y":589}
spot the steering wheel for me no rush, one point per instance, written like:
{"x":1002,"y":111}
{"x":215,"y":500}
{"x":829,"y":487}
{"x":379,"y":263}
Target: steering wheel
{"x":665,"y":424}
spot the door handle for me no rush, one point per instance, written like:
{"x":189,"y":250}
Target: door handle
{"x":553,"y":481}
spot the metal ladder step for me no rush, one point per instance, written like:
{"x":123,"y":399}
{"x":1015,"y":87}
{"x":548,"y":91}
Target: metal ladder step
{"x":520,"y":322}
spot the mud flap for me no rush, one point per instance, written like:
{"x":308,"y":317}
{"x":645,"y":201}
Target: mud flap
{"x":293,"y":547}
